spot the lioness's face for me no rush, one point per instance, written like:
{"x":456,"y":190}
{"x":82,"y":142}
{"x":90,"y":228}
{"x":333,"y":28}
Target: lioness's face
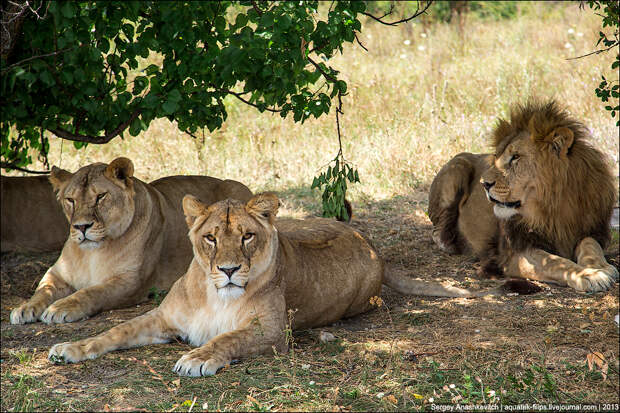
{"x":233,"y":242}
{"x":98,"y":201}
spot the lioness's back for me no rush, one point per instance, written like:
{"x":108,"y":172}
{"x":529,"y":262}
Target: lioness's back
{"x":32,"y":220}
{"x":330,"y":270}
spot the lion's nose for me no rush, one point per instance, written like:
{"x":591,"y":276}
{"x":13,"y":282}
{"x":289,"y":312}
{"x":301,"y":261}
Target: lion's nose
{"x":229,"y":270}
{"x":83,"y":227}
{"x":487,"y":185}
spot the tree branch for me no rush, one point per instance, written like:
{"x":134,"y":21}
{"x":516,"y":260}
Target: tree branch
{"x":255,"y":7}
{"x":21,"y":62}
{"x":594,"y":52}
{"x":238,"y":96}
{"x":8,"y":165}
{"x":416,"y":14}
{"x":318,"y":67}
{"x":61,"y":133}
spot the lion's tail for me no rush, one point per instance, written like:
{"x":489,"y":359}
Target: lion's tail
{"x":405,"y":285}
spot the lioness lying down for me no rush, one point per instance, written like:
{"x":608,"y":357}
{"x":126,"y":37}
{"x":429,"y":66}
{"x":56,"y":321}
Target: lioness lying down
{"x":538,"y":208}
{"x":126,"y":236}
{"x":248,"y":270}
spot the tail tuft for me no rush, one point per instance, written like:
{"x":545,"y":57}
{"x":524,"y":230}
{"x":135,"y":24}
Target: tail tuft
{"x":521,"y":286}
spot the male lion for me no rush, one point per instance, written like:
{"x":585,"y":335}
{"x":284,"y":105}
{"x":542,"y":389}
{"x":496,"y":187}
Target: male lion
{"x":31,"y":219}
{"x":126,"y":236}
{"x":550,"y":200}
{"x":248,"y":270}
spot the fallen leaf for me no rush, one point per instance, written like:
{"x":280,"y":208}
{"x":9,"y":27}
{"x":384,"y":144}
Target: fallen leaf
{"x":598,"y":359}
{"x":392,"y":399}
{"x":176,"y":382}
{"x":584,"y":325}
{"x":418,"y":396}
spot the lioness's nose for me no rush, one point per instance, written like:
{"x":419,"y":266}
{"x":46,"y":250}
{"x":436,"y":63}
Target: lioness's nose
{"x":487,"y":185}
{"x":83,"y":227}
{"x":229,"y":270}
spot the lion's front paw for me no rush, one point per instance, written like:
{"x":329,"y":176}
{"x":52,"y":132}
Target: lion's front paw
{"x":191,"y":364}
{"x":70,"y":352}
{"x":63,"y":311}
{"x":26,"y":313}
{"x":595,"y":280}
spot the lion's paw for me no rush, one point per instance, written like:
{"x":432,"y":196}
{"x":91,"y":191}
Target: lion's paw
{"x":26,"y":313}
{"x":69,"y":353}
{"x":192,"y":365}
{"x":62,"y":312}
{"x":594,"y":280}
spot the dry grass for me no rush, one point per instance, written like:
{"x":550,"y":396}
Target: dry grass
{"x":420,"y":95}
{"x":417,"y":98}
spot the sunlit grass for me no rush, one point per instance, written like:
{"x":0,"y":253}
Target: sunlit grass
{"x":422,"y":94}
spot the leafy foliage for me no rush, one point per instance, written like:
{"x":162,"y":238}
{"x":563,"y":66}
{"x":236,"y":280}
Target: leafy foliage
{"x":608,"y":88}
{"x":90,"y":71}
{"x":335,"y":182}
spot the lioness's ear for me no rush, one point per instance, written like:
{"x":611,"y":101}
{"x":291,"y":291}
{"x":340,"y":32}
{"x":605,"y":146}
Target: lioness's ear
{"x":193,"y":208}
{"x":120,"y":169}
{"x":59,"y":178}
{"x":263,"y":206}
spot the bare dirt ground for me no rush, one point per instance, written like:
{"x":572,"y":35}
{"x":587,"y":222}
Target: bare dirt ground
{"x":406,"y":354}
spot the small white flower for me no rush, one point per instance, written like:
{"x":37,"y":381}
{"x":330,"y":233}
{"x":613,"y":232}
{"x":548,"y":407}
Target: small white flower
{"x":452,"y":386}
{"x":305,"y":366}
{"x":568,"y":45}
{"x":423,"y":34}
{"x":421,"y":48}
{"x":311,"y":382}
{"x":476,"y":331}
{"x":571,"y":31}
{"x":403,"y":56}
{"x":407,"y":42}
{"x":492,"y":393}
{"x":380,"y":395}
{"x":431,"y":399}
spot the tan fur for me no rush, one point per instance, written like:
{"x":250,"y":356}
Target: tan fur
{"x":31,"y":219}
{"x":552,"y":196}
{"x":126,"y":236}
{"x":248,"y":270}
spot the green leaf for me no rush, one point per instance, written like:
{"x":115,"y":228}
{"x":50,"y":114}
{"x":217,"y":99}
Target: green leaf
{"x":169,"y":107}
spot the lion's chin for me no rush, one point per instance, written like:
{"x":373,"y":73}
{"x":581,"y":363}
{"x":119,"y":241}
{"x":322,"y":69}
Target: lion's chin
{"x":504,"y":212}
{"x":230,"y":292}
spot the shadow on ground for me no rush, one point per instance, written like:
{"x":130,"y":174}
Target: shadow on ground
{"x":552,"y":329}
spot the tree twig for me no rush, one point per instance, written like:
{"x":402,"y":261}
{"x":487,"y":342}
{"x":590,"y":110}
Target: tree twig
{"x":96,"y":139}
{"x":360,"y":43}
{"x":394,"y":23}
{"x":238,"y":96}
{"x":8,"y":165}
{"x":21,"y":62}
{"x":255,"y":7}
{"x":594,"y":52}
{"x":318,"y":67}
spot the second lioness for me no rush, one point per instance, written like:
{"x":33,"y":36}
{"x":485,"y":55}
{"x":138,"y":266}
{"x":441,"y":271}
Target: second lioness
{"x":126,"y":236}
{"x":248,"y":270}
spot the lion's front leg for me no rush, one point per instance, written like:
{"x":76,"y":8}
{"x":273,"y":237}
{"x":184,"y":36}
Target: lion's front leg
{"x":590,"y":255}
{"x":113,"y":293}
{"x":540,"y":265}
{"x":50,"y":288}
{"x":257,"y":337}
{"x":149,"y":328}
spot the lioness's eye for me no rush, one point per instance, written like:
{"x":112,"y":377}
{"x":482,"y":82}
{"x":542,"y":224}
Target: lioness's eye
{"x":69,"y":200}
{"x":210,"y":238}
{"x":101,"y":196}
{"x":248,"y":236}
